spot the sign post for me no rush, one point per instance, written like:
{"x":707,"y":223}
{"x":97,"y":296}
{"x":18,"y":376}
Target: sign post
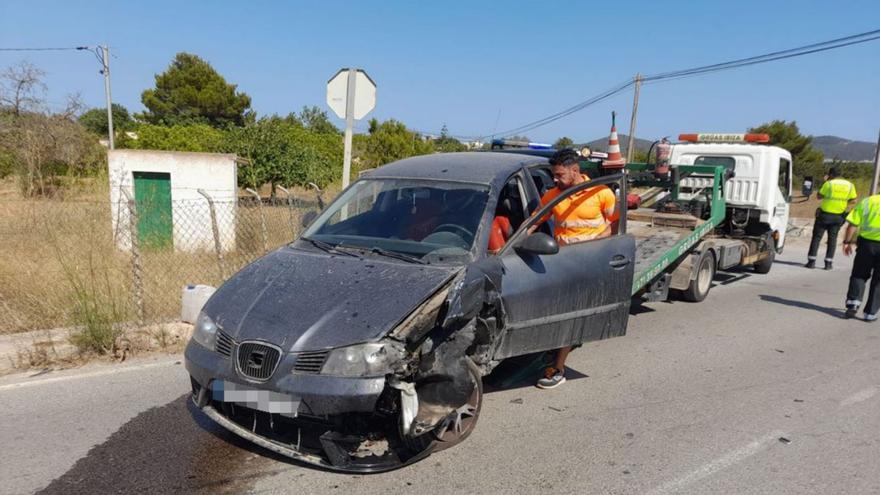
{"x":351,"y":94}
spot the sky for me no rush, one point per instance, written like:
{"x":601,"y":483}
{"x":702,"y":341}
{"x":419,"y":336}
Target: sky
{"x":480,"y":67}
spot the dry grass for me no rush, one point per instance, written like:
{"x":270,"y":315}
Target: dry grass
{"x":60,"y":265}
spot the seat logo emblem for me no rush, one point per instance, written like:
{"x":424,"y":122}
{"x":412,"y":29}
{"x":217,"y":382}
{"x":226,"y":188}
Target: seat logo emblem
{"x":255,"y":360}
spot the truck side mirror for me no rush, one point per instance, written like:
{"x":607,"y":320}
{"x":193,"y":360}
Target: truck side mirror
{"x":538,"y":243}
{"x":807,"y":187}
{"x":309,"y":217}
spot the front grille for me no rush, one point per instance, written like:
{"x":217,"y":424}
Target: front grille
{"x":224,"y":344}
{"x":257,"y":360}
{"x":310,"y":362}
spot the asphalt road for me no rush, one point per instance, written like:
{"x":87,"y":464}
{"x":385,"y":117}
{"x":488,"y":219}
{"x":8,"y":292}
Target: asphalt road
{"x":762,"y":388}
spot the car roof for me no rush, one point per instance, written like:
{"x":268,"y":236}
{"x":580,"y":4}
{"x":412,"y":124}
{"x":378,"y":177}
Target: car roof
{"x":482,"y":167}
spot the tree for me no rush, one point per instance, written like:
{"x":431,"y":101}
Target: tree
{"x":563,"y":142}
{"x":446,"y":143}
{"x":284,"y":153}
{"x":36,"y":144}
{"x":316,"y":119}
{"x":787,"y":135}
{"x":21,"y":86}
{"x":197,"y":137}
{"x":95,"y":120}
{"x":190,"y":91}
{"x":390,"y":141}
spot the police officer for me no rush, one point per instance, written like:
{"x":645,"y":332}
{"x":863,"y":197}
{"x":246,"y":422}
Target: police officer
{"x":864,"y":220}
{"x":836,"y":194}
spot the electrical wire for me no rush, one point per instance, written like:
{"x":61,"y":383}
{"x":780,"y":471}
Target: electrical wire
{"x":51,"y":49}
{"x":695,"y":71}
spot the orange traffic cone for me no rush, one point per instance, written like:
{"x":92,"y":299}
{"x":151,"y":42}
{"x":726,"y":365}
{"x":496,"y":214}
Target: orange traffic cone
{"x":614,"y":160}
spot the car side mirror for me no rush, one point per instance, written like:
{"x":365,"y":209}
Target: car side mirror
{"x":538,"y":243}
{"x":807,"y":187}
{"x":309,"y":217}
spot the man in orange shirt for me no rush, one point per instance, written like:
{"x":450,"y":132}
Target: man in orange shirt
{"x":582,"y":217}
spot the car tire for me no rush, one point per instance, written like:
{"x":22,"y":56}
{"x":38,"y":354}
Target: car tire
{"x":698,"y":288}
{"x":450,"y":439}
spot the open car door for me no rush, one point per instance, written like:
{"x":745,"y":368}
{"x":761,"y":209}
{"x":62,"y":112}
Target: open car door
{"x":578,"y":294}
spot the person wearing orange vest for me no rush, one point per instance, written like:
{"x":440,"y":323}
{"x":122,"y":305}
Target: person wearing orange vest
{"x":582,"y":217}
{"x":837,"y":195}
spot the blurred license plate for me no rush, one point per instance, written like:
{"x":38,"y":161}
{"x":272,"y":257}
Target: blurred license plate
{"x":261,"y":400}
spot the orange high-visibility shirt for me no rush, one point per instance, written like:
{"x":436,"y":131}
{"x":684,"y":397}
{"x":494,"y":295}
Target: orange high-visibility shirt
{"x":583,"y":216}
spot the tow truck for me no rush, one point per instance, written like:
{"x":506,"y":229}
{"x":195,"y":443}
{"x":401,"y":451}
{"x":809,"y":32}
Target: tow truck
{"x":723,"y":205}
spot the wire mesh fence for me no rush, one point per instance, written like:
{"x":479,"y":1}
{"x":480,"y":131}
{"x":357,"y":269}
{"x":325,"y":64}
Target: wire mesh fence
{"x":69,"y":263}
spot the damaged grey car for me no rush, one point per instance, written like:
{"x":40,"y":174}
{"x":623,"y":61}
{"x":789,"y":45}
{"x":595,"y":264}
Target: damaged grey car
{"x":361,"y":346}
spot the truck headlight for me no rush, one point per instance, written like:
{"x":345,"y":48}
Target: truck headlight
{"x":205,"y":331}
{"x":375,"y":359}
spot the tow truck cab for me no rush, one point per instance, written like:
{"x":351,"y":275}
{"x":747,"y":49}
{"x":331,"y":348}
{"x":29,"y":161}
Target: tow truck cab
{"x":758,"y":194}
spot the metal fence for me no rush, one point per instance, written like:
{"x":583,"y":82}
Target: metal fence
{"x":63,"y":262}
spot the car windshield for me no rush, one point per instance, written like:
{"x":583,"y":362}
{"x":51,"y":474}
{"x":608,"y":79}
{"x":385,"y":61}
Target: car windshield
{"x":421,"y":221}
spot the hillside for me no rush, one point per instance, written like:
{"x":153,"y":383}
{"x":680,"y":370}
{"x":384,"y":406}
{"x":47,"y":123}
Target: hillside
{"x":844,"y":149}
{"x":601,"y":144}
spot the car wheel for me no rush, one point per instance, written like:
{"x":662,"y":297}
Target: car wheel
{"x":458,"y":426}
{"x":699,"y":287}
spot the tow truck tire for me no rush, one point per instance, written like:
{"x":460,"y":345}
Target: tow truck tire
{"x":699,"y":287}
{"x":766,"y":264}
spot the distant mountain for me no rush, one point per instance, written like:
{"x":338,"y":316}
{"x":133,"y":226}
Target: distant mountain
{"x":601,"y":144}
{"x":844,"y":149}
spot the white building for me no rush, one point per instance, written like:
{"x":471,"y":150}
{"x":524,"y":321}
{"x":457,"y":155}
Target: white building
{"x":165,"y":188}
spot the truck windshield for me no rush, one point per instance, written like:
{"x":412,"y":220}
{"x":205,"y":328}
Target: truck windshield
{"x":432,"y":221}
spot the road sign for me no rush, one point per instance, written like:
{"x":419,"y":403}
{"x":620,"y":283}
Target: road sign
{"x":351,"y":94}
{"x":364,"y":93}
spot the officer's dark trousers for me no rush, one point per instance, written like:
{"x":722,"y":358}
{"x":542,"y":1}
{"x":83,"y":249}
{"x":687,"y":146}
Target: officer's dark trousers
{"x":865,"y":266}
{"x":825,"y":222}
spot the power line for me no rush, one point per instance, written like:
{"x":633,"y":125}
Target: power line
{"x":52,"y":49}
{"x":695,"y":71}
{"x":770,"y":57}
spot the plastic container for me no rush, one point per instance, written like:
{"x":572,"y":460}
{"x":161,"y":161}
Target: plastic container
{"x":193,"y":298}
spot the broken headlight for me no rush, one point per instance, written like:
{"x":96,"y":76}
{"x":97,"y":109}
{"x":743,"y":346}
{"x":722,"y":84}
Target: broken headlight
{"x":205,"y":331}
{"x":374,"y":359}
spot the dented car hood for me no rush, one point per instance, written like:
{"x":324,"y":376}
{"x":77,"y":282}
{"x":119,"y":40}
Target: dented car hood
{"x":305,"y":301}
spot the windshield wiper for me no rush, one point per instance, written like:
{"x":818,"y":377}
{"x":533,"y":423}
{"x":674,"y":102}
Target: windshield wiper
{"x":330,"y":248}
{"x":396,"y":255}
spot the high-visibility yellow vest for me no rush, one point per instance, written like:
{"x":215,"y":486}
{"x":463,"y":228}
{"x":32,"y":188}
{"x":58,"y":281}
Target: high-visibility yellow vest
{"x":866,"y":216}
{"x":836,"y":193}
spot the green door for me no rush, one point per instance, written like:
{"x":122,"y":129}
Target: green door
{"x":152,"y":196}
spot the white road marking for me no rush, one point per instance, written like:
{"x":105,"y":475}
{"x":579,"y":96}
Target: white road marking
{"x":860,"y":396}
{"x":111,"y":370}
{"x":719,"y":464}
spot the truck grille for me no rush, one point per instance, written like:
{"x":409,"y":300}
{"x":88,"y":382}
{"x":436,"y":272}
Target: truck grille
{"x":310,"y":362}
{"x":257,"y":360}
{"x":224,"y":344}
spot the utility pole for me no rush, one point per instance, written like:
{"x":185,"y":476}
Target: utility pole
{"x":876,"y":167}
{"x":105,"y":62}
{"x":632,"y":123}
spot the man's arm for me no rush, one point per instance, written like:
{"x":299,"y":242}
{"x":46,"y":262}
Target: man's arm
{"x":849,"y":238}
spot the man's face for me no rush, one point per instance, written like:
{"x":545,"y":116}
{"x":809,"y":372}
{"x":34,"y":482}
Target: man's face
{"x":565,"y":175}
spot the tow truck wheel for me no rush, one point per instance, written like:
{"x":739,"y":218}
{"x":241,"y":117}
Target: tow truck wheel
{"x":699,"y":287}
{"x":766,"y":264}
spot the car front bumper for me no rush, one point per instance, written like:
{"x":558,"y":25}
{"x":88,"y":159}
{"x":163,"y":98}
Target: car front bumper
{"x":320,"y":433}
{"x":318,"y":394}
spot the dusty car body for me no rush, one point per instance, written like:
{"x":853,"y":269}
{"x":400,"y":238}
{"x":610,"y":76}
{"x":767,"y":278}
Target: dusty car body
{"x":361,"y":345}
